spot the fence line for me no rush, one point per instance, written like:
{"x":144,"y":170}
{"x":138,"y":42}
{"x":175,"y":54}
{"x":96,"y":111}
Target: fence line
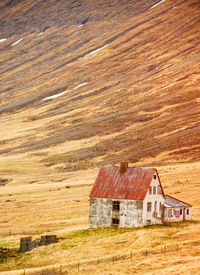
{"x":64,"y":268}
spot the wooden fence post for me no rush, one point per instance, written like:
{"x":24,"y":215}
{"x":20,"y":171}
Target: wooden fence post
{"x":60,"y":269}
{"x":98,"y":260}
{"x":113,"y":259}
{"x":24,"y":272}
{"x":131,"y":255}
{"x":177,"y":247}
{"x":146,"y":253}
{"x":78,"y":266}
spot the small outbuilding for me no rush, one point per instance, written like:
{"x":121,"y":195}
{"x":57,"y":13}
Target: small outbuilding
{"x":131,"y":197}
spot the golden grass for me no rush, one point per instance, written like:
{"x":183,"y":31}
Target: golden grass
{"x":141,"y":103}
{"x":141,"y":250}
{"x":36,"y":209}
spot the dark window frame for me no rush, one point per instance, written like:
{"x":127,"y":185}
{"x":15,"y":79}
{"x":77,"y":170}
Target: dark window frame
{"x":160,"y":206}
{"x":150,"y":190}
{"x":115,"y":221}
{"x":149,"y":206}
{"x":116,"y":205}
{"x":155,"y":206}
{"x":170,"y":213}
{"x":159,"y":190}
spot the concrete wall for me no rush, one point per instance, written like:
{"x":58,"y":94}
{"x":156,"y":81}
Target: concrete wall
{"x":155,"y":215}
{"x":131,"y":213}
{"x":170,"y":214}
{"x":26,"y":244}
{"x":102,"y":213}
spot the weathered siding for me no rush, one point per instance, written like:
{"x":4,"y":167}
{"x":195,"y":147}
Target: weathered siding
{"x":102,"y":213}
{"x":131,"y":213}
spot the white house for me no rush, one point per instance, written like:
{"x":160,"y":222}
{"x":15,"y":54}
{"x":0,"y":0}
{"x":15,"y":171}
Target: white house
{"x":130,"y":197}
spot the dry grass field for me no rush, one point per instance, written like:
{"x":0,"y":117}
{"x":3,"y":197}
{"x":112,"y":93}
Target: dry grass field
{"x":86,"y":84}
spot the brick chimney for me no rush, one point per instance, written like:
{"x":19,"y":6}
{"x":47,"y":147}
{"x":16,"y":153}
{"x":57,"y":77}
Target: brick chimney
{"x":123,"y":166}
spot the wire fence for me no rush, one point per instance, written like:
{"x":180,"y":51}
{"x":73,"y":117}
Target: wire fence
{"x":69,"y":267}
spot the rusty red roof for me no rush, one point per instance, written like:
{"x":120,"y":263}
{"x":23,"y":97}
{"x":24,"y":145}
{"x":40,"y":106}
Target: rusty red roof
{"x":132,"y":185}
{"x":172,"y":202}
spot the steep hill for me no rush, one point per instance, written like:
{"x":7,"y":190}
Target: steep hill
{"x":128,"y":71}
{"x":89,"y":83}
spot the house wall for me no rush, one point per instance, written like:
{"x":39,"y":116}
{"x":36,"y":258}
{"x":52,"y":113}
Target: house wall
{"x":102,"y":213}
{"x":155,"y":215}
{"x":131,"y":213}
{"x":171,"y":214}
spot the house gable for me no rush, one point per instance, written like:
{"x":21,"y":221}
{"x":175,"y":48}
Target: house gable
{"x":154,"y":201}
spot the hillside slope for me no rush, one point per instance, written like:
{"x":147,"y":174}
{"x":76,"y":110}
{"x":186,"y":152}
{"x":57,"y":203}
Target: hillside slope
{"x":137,"y":68}
{"x":138,"y":95}
{"x":89,"y":83}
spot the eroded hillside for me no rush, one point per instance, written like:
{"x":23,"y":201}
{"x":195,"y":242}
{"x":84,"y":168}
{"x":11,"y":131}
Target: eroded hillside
{"x":88,"y":83}
{"x":124,"y":75}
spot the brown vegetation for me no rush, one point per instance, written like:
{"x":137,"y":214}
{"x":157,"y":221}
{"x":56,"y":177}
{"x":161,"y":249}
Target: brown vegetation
{"x":139,"y":101}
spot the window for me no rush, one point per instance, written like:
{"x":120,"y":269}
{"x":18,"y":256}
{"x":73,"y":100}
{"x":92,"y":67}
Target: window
{"x":155,"y":206}
{"x":154,"y":176}
{"x":154,"y":190}
{"x":115,"y":222}
{"x":150,"y":190}
{"x":155,"y":209}
{"x":116,"y":205}
{"x":159,"y":190}
{"x":148,"y":206}
{"x":169,"y":213}
{"x":181,"y":211}
{"x":188,"y":211}
{"x":160,"y":207}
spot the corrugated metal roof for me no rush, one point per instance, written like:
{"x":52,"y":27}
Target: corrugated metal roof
{"x":133,"y":184}
{"x":172,"y":202}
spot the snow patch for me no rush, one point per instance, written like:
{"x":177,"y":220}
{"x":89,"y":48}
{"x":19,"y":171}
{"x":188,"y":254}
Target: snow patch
{"x":40,"y":33}
{"x":56,"y":95}
{"x":157,"y":4}
{"x":15,"y":43}
{"x":80,"y":85}
{"x":97,"y":50}
{"x":81,"y":25}
{"x":3,"y":39}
